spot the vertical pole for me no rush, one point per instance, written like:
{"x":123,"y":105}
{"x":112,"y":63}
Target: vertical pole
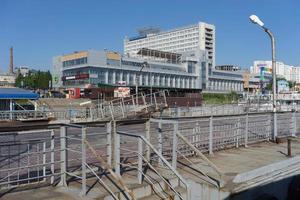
{"x":133,"y":104}
{"x":144,"y":100}
{"x":165,"y":99}
{"x":175,"y":142}
{"x":123,"y":104}
{"x":83,"y":161}
{"x":246,"y":130}
{"x":148,"y":137}
{"x":52,"y":157}
{"x":136,"y":90}
{"x":109,"y":142}
{"x":155,"y":102}
{"x":160,"y":140}
{"x":44,"y":161}
{"x":210,"y":147}
{"x":116,"y":148}
{"x":294,"y":124}
{"x":274,"y":81}
{"x":91,"y":114}
{"x":63,"y":156}
{"x":238,"y":125}
{"x":289,"y":147}
{"x":274,"y":125}
{"x":28,"y":162}
{"x":111,"y":111}
{"x":140,"y":160}
{"x":122,"y":109}
{"x":11,"y":109}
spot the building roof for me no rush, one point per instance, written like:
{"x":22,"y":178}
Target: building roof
{"x":17,"y":93}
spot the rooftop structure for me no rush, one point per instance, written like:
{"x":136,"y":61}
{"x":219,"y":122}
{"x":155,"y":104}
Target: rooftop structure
{"x":228,"y":67}
{"x":200,"y":36}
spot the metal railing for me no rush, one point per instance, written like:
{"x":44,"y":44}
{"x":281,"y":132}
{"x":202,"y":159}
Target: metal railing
{"x":142,"y":154}
{"x":223,"y":110}
{"x":28,"y":157}
{"x":211,"y":134}
{"x":112,"y":110}
{"x":71,"y":152}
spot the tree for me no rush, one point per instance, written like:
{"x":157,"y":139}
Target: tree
{"x":35,"y":80}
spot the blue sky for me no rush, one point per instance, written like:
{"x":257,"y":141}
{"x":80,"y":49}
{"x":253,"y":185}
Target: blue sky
{"x":41,"y":29}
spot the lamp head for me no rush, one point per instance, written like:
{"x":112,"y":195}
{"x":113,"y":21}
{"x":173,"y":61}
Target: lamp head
{"x":255,"y":20}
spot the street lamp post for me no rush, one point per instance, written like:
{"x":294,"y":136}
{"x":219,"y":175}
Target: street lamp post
{"x":144,"y":64}
{"x":254,"y":19}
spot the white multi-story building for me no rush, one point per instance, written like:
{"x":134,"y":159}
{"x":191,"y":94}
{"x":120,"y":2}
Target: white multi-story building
{"x":199,"y":36}
{"x":290,"y":73}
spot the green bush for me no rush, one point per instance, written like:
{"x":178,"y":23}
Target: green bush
{"x":213,"y":98}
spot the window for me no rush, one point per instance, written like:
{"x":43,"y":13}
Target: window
{"x":78,"y":61}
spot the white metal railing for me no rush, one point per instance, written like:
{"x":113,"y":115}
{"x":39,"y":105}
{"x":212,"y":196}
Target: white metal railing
{"x":27,"y":160}
{"x":226,"y":110}
{"x":116,"y":109}
{"x":146,"y":152}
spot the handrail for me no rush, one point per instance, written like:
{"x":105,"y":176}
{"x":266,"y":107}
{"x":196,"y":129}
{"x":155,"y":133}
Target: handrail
{"x":108,"y":167}
{"x":220,"y":173}
{"x":151,"y":166}
{"x":145,"y":175}
{"x":102,"y":182}
{"x":163,"y":160}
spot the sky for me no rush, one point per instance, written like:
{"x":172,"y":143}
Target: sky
{"x":41,"y":29}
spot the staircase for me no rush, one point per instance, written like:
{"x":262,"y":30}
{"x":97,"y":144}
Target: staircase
{"x":130,"y":107}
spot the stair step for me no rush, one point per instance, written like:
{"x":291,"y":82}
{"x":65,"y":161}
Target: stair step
{"x":179,"y":190}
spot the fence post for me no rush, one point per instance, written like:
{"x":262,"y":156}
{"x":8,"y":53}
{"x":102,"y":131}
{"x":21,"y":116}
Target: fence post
{"x":122,"y":109}
{"x":111,"y":111}
{"x":237,"y":131}
{"x":116,"y":148}
{"x":140,"y":160}
{"x":91,"y":114}
{"x":210,"y":139}
{"x":44,"y":161}
{"x":155,"y":101}
{"x":133,"y":103}
{"x":246,"y":130}
{"x":148,"y":137}
{"x":160,"y":140}
{"x":83,"y":161}
{"x":52,"y":157}
{"x":294,"y":124}
{"x":275,"y":126}
{"x":174,"y":149}
{"x":165,"y":98}
{"x":63,"y":156}
{"x":109,"y":142}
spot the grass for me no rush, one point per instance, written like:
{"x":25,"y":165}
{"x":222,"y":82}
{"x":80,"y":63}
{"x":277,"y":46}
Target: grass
{"x":212,"y":98}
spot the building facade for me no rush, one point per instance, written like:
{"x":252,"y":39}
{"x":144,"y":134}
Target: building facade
{"x":200,"y":36}
{"x":290,"y":73}
{"x":182,"y":58}
{"x":7,"y":80}
{"x":165,"y":70}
